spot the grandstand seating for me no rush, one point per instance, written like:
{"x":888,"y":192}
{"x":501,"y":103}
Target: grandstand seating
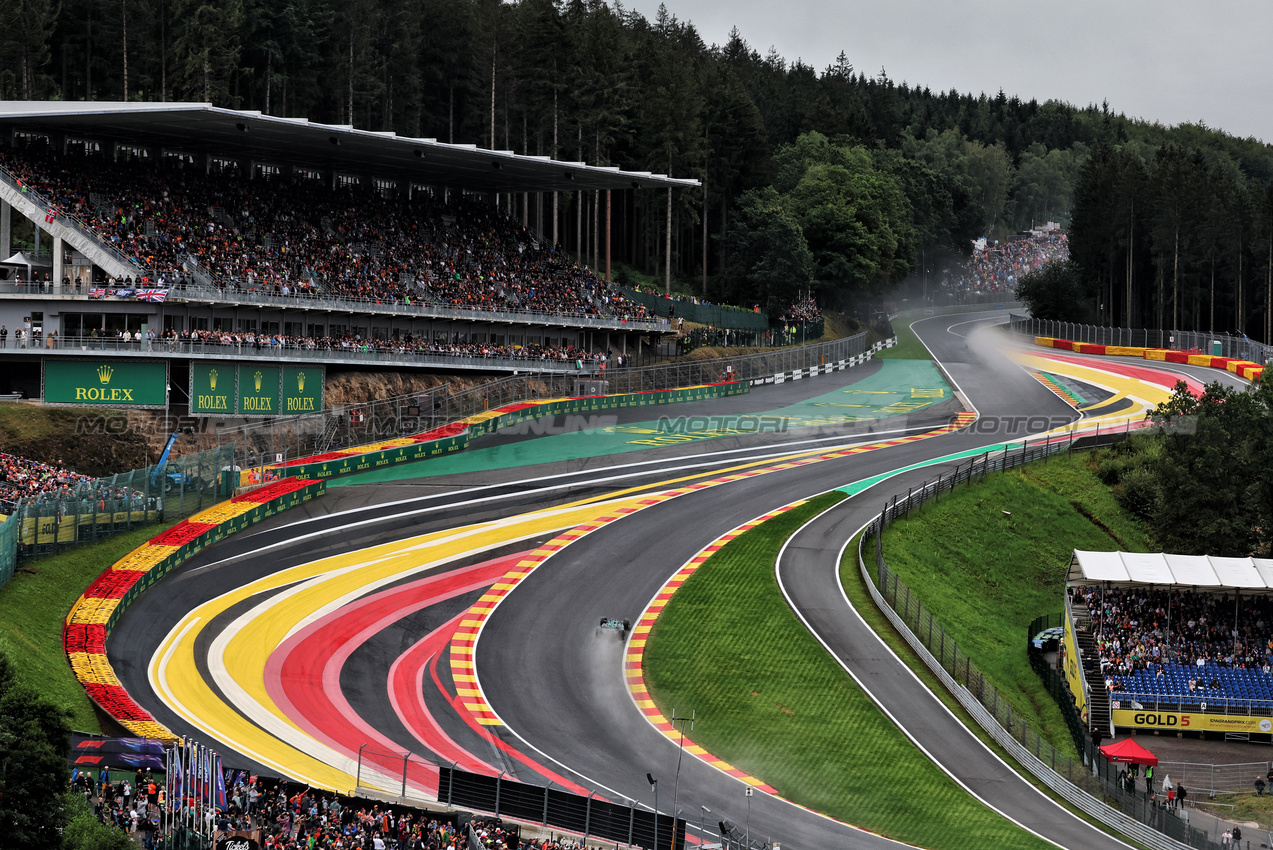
{"x":299,"y":237}
{"x":1194,"y":661}
{"x":1240,"y":689}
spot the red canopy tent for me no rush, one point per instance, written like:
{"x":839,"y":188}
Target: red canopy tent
{"x":1128,"y":752}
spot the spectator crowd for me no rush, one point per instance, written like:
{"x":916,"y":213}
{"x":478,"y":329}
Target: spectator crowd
{"x":995,"y":267}
{"x":1144,"y":630}
{"x":283,"y":817}
{"x":803,"y":312}
{"x":24,"y":478}
{"x":300,"y":237}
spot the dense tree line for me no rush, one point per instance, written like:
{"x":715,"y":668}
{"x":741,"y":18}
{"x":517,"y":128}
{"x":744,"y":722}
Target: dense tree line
{"x":1174,"y":237}
{"x":1180,"y":212}
{"x":34,"y":741}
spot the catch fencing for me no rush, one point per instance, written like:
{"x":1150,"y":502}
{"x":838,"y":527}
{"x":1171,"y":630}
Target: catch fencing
{"x":1218,"y":344}
{"x":95,"y":510}
{"x":1087,"y":782}
{"x":716,"y":315}
{"x":505,"y":797}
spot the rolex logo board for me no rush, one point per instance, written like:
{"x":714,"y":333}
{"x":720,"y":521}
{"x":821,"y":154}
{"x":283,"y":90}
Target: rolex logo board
{"x":105,"y":383}
{"x":255,"y":389}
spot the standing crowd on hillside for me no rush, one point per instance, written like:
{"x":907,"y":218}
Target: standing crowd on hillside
{"x":25,"y":478}
{"x":996,"y":267}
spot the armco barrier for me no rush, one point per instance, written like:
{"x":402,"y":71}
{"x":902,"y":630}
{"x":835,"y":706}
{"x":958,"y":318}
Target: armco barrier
{"x":1242,"y":368}
{"x":99,"y":608}
{"x":421,"y":447}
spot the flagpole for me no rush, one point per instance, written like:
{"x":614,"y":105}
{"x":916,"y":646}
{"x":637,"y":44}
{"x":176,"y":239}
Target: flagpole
{"x":203,"y":790}
{"x":167,"y":786}
{"x":172,"y":761}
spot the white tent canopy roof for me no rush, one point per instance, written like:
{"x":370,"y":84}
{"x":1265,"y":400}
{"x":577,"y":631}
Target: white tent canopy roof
{"x":21,"y":258}
{"x":1200,"y":572}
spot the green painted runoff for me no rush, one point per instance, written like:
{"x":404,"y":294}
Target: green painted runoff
{"x":900,"y":387}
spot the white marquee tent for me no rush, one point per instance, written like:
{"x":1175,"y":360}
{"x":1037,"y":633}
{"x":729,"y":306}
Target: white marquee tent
{"x":1199,"y":572}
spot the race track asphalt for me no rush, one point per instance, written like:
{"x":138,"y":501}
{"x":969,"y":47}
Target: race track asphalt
{"x":560,"y":690}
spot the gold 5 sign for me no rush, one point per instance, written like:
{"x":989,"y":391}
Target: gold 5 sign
{"x":90,"y":382}
{"x":1174,"y":721}
{"x":255,"y":389}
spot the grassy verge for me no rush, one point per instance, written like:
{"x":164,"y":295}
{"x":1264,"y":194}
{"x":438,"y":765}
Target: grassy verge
{"x":33,"y":607}
{"x":771,"y":701}
{"x":855,"y":588}
{"x":992,"y":557}
{"x":908,"y":345}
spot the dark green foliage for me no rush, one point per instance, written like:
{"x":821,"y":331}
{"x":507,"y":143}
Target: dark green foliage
{"x":1129,"y":469}
{"x":1056,"y":292}
{"x":1203,"y":483}
{"x":34,"y":740}
{"x":770,"y":261}
{"x":85,"y":832}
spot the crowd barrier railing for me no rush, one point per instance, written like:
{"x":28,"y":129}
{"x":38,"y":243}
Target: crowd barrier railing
{"x":717,"y":315}
{"x":588,"y":816}
{"x":237,"y":350}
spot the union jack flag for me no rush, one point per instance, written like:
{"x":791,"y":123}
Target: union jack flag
{"x":155,"y":295}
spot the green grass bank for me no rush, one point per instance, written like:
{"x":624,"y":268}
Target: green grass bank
{"x":991,"y":557}
{"x":772,"y":702}
{"x":33,"y":607}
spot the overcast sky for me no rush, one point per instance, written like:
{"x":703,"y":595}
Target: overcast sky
{"x":1165,"y":61}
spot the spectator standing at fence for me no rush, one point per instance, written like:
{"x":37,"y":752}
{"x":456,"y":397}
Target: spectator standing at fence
{"x":1181,"y":794}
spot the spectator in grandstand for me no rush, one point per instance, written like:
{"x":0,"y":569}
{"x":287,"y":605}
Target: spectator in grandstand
{"x":802,"y":313}
{"x":301,"y":239}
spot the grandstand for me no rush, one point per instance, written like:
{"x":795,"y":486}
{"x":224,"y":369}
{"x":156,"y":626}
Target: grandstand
{"x":191,"y":228}
{"x":1176,"y":642}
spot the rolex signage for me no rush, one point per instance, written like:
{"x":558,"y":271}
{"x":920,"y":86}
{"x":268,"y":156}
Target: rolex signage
{"x":302,"y":389}
{"x":258,"y":390}
{"x":213,"y":388}
{"x":254,"y":389}
{"x":106,"y":383}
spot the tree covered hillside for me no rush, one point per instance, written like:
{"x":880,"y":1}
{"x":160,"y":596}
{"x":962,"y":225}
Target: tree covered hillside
{"x":897,"y":177}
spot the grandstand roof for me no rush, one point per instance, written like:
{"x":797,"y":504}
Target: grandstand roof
{"x":1200,"y":572}
{"x":204,"y":128}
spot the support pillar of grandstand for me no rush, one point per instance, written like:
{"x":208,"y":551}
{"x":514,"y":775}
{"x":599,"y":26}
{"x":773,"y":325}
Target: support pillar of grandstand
{"x":607,"y":236}
{"x":667,"y":255}
{"x":6,"y":229}
{"x":59,"y":269}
